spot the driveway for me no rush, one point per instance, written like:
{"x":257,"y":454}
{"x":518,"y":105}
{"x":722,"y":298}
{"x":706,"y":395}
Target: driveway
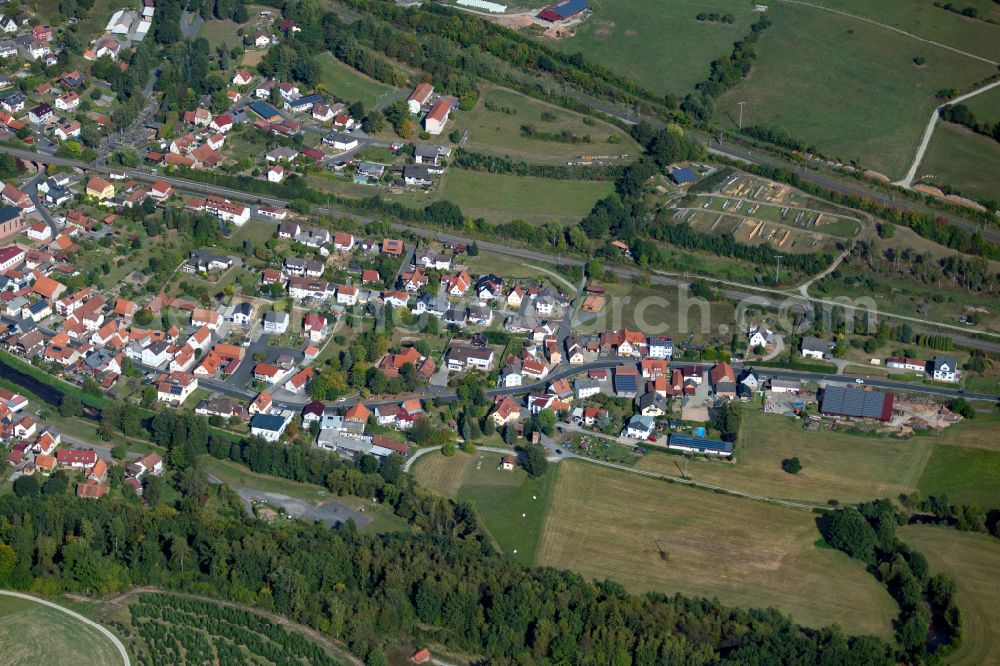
{"x":329,"y":513}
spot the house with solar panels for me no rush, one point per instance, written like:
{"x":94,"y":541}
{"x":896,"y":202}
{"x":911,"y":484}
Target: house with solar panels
{"x":856,"y":403}
{"x":626,"y":381}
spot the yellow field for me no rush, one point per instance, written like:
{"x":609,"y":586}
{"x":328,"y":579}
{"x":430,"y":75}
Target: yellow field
{"x":605,"y":524}
{"x":847,"y":468}
{"x":972,"y":560}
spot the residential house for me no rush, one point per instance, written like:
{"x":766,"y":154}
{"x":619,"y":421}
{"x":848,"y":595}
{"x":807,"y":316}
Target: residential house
{"x":812,"y":347}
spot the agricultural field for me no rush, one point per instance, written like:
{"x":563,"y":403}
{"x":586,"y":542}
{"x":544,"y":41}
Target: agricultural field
{"x":32,"y":633}
{"x":967,"y":474}
{"x":972,"y":561}
{"x":810,"y":62}
{"x":511,"y":504}
{"x":347,"y":83}
{"x":494,"y":126}
{"x":967,"y":161}
{"x":659,"y":35}
{"x":923,"y":19}
{"x":605,"y":523}
{"x":986,"y":106}
{"x":845,"y":467}
{"x":502,"y":198}
{"x":167,"y":628}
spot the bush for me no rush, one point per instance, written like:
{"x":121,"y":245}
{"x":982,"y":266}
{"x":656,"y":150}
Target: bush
{"x":448,"y":449}
{"x":791,"y":465}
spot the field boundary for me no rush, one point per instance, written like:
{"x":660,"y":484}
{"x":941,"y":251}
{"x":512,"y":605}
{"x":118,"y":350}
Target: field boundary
{"x":76,"y":616}
{"x":894,"y":29}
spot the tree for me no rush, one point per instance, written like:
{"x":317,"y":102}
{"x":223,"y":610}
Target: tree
{"x":847,"y":530}
{"x":152,"y":490}
{"x":26,"y":486}
{"x":546,"y":421}
{"x":56,"y":484}
{"x":791,"y":465}
{"x":534,"y":460}
{"x":119,"y":452}
{"x":70,"y":405}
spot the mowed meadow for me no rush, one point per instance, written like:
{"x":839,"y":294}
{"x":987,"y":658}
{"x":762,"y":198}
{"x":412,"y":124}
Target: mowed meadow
{"x":847,"y":87}
{"x":604,"y":523}
{"x":608,"y":524}
{"x":972,"y":561}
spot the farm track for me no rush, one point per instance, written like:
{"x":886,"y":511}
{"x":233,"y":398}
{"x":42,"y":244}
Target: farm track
{"x":894,"y":29}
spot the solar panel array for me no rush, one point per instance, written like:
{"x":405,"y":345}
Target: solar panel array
{"x":626,"y":383}
{"x":852,"y":402}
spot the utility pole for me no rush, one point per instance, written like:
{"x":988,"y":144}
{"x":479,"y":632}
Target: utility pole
{"x":777,"y":278}
{"x":741,"y":114}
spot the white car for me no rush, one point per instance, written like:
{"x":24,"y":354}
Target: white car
{"x":859,"y":381}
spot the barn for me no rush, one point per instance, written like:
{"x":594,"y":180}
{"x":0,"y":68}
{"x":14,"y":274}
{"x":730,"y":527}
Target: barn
{"x":682,"y":175}
{"x":566,"y":9}
{"x":855,"y":403}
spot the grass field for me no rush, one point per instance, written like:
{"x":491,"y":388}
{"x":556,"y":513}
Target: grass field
{"x":502,"y":198}
{"x":31,"y":633}
{"x":219,"y":32}
{"x":660,"y":310}
{"x":848,"y":468}
{"x":505,"y":500}
{"x":965,"y":474}
{"x":606,"y":524}
{"x":674,"y":49}
{"x":493,"y":131}
{"x":923,"y":19}
{"x":966,"y":161}
{"x":347,"y":83}
{"x":811,"y":62}
{"x":972,"y":560}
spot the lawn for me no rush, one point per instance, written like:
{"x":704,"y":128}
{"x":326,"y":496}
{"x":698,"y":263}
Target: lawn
{"x":347,"y":83}
{"x":848,"y":468}
{"x":968,"y":162}
{"x":972,"y":561}
{"x":672,"y":47}
{"x":494,"y":129}
{"x":965,"y":474}
{"x":848,"y":88}
{"x":219,"y":32}
{"x":605,"y":523}
{"x":511,"y":504}
{"x":502,"y":198}
{"x":923,"y":19}
{"x":31,"y":633}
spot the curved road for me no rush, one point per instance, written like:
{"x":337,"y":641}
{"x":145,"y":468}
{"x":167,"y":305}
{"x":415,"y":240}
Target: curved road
{"x":110,"y":636}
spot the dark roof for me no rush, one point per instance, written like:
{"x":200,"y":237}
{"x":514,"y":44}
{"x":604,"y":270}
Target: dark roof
{"x":626,"y":383}
{"x":682,"y":175}
{"x":843,"y":401}
{"x":567,"y":8}
{"x":680,"y":439}
{"x":8,"y":213}
{"x":271,"y":422}
{"x":264,"y":110}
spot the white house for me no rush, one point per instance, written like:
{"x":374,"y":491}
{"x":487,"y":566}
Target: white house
{"x":944,"y":369}
{"x":759,"y":336}
{"x":640,"y":427}
{"x":814,"y":347}
{"x":276,"y":322}
{"x":437,"y":117}
{"x":268,"y":426}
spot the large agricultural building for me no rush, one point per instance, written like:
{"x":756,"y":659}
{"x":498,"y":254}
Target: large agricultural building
{"x":855,"y":403}
{"x":565,"y":9}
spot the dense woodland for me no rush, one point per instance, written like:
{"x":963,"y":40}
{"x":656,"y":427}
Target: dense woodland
{"x":370,"y":590}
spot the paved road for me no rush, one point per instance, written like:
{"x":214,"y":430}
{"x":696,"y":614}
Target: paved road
{"x":190,"y":24}
{"x":534,"y":255}
{"x":87,"y":621}
{"x":32,"y":191}
{"x":907,"y":181}
{"x":330,"y":513}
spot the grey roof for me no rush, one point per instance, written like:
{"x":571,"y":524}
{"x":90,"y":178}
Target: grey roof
{"x":426,"y":150}
{"x":944,"y":360}
{"x":810,"y":343}
{"x":417,"y":171}
{"x":243,"y":309}
{"x":276,"y":317}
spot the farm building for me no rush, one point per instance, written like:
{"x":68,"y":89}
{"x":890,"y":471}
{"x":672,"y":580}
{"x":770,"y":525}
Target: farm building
{"x":566,"y":9}
{"x":691,"y":444}
{"x":855,"y":403}
{"x":682,"y":175}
